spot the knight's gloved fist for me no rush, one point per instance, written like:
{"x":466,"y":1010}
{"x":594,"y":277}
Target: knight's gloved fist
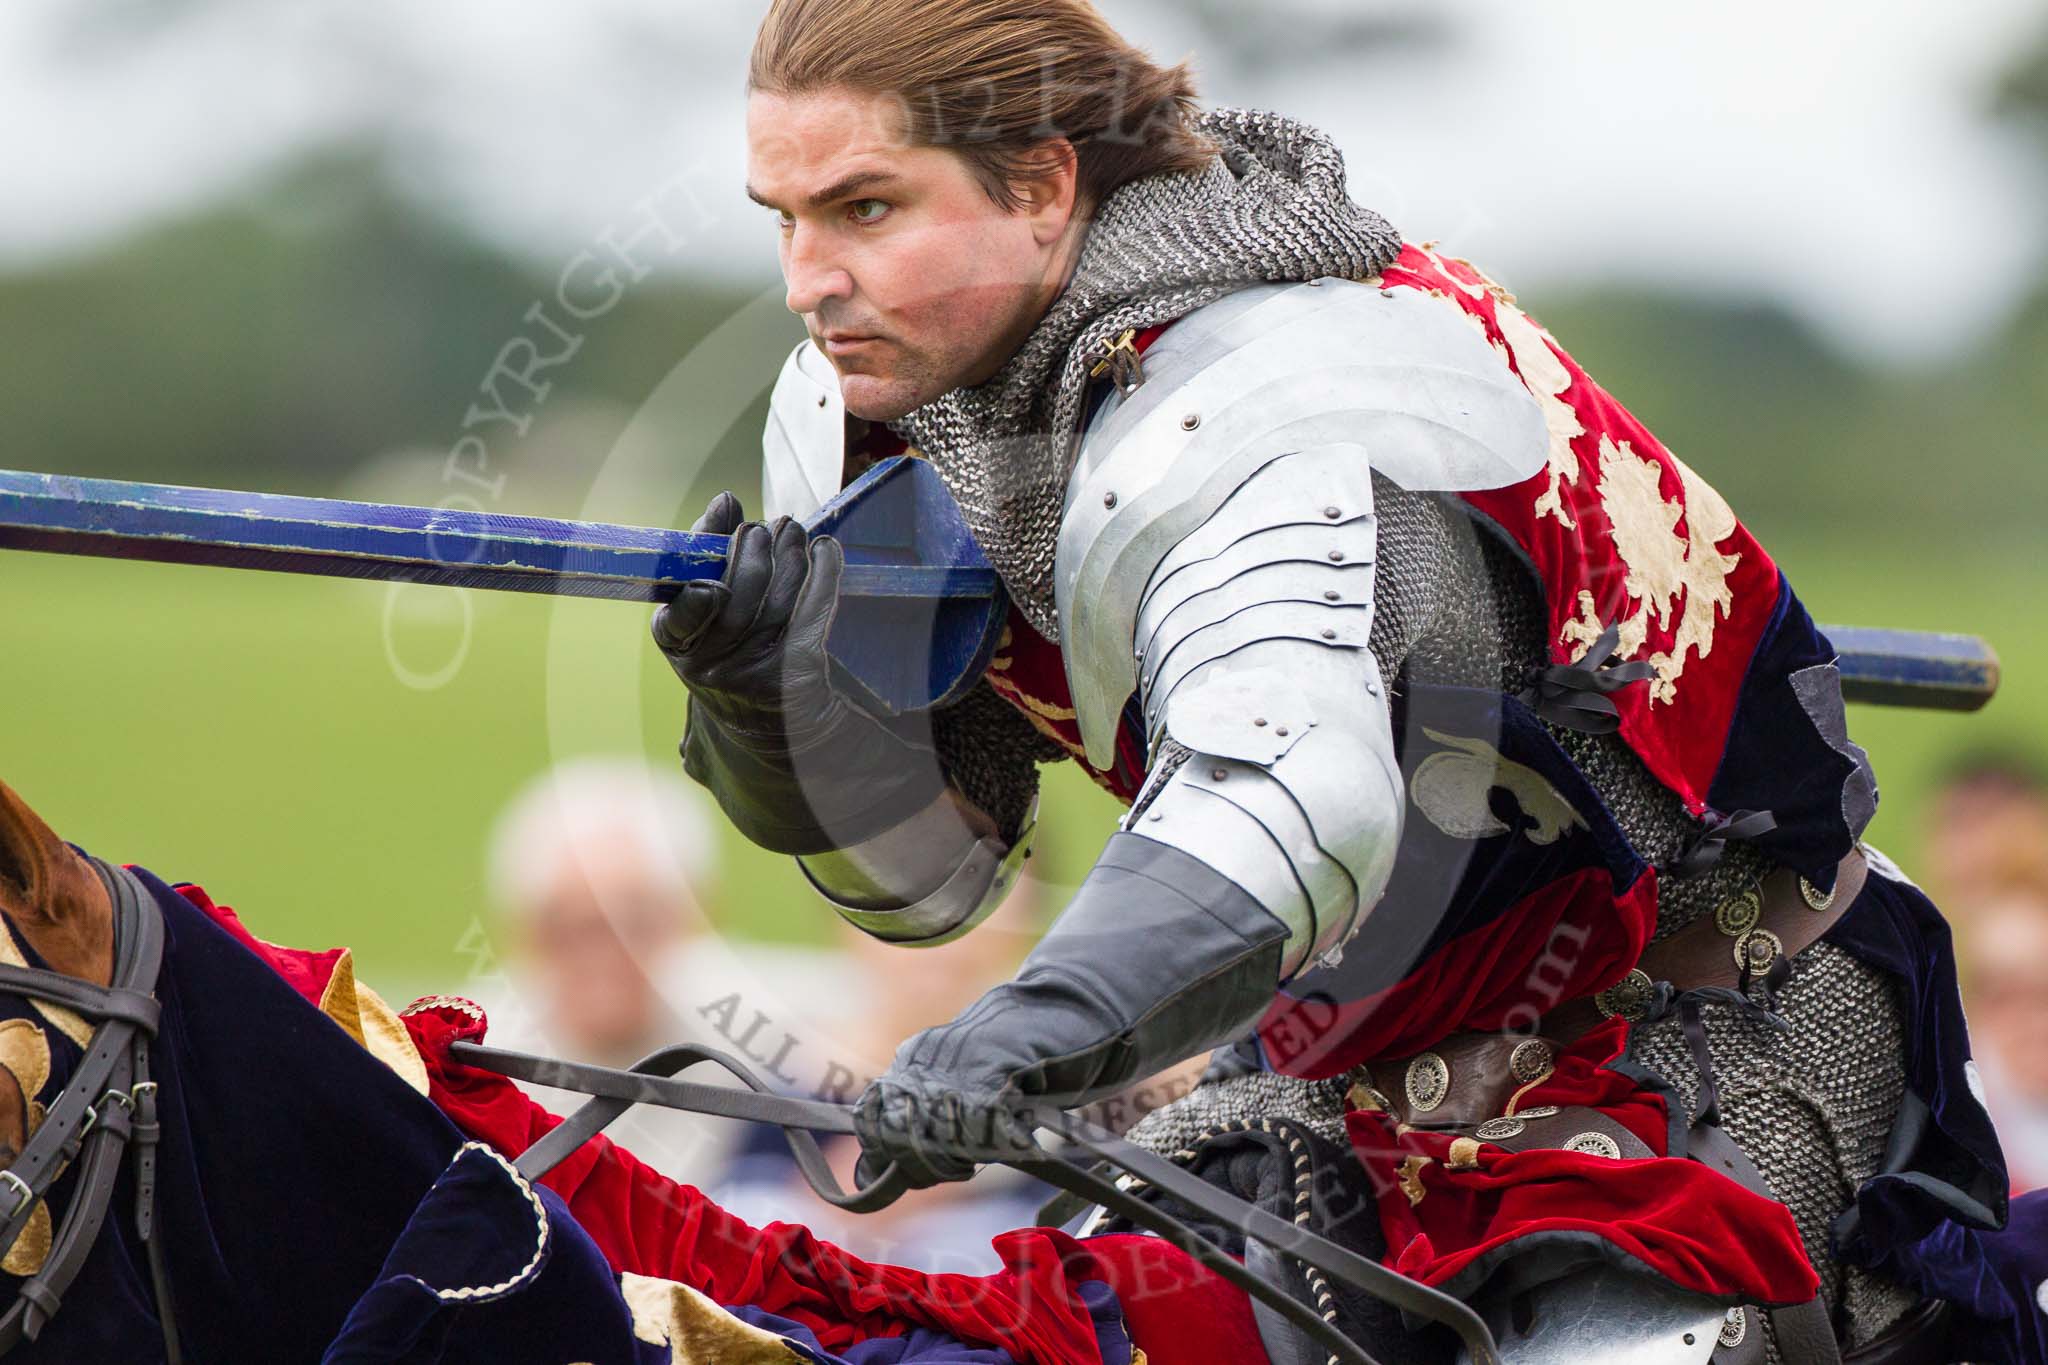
{"x":934,"y":1127}
{"x":797,"y":767}
{"x":1157,"y":957}
{"x":751,"y":647}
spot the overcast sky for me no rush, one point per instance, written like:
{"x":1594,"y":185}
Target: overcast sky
{"x":1835,"y":158}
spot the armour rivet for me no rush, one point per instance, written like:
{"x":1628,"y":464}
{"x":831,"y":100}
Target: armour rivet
{"x":1191,"y":421}
{"x":1109,"y":499}
{"x":1386,"y":293}
{"x":1282,"y":732}
{"x":1336,"y":556}
{"x":1329,"y":635}
{"x":1220,"y":774}
{"x":1333,"y":512}
{"x":1331,"y":596}
{"x":1259,"y":721}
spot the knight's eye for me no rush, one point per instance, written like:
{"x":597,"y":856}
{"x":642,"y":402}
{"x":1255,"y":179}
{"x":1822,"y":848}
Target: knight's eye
{"x":869,"y":215}
{"x":782,"y":220}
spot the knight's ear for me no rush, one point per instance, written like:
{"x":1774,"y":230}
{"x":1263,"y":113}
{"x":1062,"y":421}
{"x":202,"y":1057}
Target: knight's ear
{"x":1049,"y":183}
{"x":51,"y":895}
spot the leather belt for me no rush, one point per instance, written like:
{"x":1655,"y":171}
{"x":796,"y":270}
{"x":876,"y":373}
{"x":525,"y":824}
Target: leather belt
{"x":1469,"y":1079}
{"x":1780,"y":917}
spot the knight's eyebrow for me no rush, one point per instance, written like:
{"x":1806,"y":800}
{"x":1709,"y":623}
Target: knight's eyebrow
{"x":837,"y":190}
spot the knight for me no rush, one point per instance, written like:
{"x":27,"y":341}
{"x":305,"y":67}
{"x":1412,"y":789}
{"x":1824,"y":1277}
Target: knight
{"x":1492,"y":814}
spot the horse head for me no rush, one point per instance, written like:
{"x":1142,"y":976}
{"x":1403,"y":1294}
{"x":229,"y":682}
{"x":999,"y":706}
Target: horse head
{"x":59,"y":908}
{"x":52,"y":897}
{"x":254,"y":1108}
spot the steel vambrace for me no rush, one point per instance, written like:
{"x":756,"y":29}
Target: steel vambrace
{"x":1157,"y":958}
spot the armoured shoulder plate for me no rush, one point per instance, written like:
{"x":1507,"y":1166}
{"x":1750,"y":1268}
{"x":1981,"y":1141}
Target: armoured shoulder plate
{"x":1399,"y":379}
{"x":803,"y":447}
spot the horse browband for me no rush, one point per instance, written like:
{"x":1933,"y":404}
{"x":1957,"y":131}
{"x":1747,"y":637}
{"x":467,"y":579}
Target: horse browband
{"x":106,"y":1110}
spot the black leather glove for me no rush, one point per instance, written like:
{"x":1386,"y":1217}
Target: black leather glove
{"x":1157,"y":958}
{"x":797,"y":767}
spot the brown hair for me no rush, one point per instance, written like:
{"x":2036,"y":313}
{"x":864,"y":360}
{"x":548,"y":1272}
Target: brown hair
{"x":993,"y":80}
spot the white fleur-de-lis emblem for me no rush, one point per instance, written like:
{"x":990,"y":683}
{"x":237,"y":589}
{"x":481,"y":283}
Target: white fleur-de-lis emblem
{"x":1454,"y":789}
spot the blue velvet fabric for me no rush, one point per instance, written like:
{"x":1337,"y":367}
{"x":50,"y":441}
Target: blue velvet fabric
{"x":1445,"y":885}
{"x":921,"y":1346}
{"x":1938,"y":1215}
{"x":290,"y":1161}
{"x":1944,"y":1160}
{"x":491,"y":1269}
{"x":1999,"y":1279}
{"x":311,"y":1204}
{"x":1796,"y":763}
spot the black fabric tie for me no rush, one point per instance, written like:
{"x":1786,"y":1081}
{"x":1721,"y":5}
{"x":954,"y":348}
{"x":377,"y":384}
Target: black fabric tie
{"x":1666,"y":1000}
{"x":1706,"y":847}
{"x":1575,"y":695}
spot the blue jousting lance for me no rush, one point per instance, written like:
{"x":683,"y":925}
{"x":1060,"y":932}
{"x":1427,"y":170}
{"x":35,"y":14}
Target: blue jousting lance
{"x":920,"y":614}
{"x":921,"y":611}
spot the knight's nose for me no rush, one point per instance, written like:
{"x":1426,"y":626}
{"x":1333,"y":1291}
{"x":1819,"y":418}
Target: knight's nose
{"x":811,"y":276}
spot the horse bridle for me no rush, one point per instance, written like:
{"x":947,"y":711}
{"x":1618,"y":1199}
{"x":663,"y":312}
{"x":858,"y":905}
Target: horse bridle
{"x":106,"y":1111}
{"x":651,"y":1081}
{"x":121,"y":1121}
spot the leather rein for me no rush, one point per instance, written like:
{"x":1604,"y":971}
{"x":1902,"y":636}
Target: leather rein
{"x":107,"y":1111}
{"x":652,"y":1081}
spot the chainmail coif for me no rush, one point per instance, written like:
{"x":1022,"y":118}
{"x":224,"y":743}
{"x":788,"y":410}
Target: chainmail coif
{"x":1272,"y":207}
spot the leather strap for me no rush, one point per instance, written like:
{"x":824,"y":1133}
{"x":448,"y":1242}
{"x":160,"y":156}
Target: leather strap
{"x":1702,"y":954}
{"x":1922,"y":1337}
{"x":794,"y":1116}
{"x":106,"y":1110}
{"x":1803,"y":1330}
{"x":1576,"y":1129}
{"x":1471,"y":1076}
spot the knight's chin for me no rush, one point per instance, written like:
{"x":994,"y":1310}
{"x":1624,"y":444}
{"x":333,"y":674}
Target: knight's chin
{"x":875,"y":398}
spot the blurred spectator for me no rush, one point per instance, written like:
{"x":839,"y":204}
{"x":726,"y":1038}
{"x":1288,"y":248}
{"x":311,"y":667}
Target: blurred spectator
{"x":1987,"y":862}
{"x":1987,"y":831}
{"x":600,"y":870}
{"x":2005,"y":957}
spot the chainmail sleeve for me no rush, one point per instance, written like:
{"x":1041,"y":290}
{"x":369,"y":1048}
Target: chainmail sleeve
{"x":991,"y":753}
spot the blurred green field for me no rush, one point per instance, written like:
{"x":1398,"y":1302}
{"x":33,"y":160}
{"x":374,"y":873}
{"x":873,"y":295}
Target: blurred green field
{"x":251,"y":732}
{"x":254,"y":733}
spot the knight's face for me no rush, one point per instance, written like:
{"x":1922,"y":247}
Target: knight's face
{"x":907,"y":275}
